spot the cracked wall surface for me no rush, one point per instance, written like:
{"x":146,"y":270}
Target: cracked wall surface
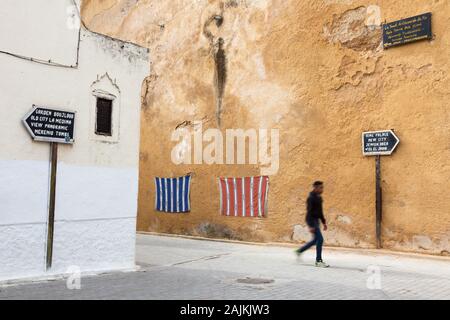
{"x":315,"y":70}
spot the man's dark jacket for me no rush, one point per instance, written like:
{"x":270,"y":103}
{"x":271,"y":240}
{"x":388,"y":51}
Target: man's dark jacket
{"x":314,"y":211}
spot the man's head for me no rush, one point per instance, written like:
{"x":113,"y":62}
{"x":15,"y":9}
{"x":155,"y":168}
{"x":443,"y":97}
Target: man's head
{"x":318,"y":187}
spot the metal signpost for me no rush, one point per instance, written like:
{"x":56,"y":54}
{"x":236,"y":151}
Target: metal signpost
{"x":379,"y":143}
{"x":54,"y":126}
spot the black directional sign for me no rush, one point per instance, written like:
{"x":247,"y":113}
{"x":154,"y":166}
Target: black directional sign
{"x":50,"y":125}
{"x":379,"y":142}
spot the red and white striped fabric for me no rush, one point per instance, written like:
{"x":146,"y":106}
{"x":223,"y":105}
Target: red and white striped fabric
{"x":244,"y":197}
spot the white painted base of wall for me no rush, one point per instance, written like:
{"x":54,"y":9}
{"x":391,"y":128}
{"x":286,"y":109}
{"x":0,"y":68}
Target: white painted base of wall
{"x":93,"y":246}
{"x":95,"y":219}
{"x":22,"y":250}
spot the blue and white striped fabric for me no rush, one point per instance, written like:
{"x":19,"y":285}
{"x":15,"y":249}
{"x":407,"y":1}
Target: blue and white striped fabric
{"x":172,"y":194}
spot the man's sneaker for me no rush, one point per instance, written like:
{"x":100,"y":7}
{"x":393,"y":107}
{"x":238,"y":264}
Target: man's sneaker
{"x":321,"y":264}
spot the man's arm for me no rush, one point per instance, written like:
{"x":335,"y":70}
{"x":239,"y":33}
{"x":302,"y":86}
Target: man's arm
{"x":310,"y":213}
{"x":309,"y":206}
{"x":322,"y":217}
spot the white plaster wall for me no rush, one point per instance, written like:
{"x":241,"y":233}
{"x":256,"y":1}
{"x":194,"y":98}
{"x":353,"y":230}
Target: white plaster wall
{"x":89,"y":192}
{"x":97,"y":179}
{"x":22,"y":216}
{"x":17,"y":176}
{"x":94,"y":245}
{"x":42,"y":29}
{"x":22,"y":249}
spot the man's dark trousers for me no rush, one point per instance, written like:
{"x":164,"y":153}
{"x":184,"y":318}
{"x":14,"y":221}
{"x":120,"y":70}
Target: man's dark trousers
{"x":317,"y":241}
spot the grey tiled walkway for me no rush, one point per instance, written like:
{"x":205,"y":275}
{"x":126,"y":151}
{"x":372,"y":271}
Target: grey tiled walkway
{"x":176,"y":268}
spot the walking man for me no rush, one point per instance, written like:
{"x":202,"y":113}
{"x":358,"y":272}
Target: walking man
{"x":314,"y":215}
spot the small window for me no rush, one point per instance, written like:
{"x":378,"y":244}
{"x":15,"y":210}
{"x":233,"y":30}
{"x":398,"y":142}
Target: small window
{"x":104,"y":117}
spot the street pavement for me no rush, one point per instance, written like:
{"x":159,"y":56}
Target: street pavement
{"x":178,"y":268}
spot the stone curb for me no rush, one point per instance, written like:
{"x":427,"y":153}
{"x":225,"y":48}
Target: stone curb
{"x":61,"y":276}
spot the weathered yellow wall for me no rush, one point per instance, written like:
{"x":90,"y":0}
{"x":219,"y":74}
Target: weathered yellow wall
{"x":314,"y":70}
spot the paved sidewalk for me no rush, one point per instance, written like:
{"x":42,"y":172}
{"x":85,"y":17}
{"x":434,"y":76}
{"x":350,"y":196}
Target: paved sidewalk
{"x":178,"y":268}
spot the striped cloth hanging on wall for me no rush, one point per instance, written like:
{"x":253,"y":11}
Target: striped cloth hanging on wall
{"x":244,"y":197}
{"x":172,"y":194}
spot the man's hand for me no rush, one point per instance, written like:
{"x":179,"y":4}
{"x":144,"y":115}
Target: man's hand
{"x":325,"y":227}
{"x":312,"y":230}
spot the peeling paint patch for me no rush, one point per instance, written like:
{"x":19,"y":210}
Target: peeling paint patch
{"x":259,"y":63}
{"x":212,"y":230}
{"x":422,"y":242}
{"x":350,"y":30}
{"x":301,"y":233}
{"x":344,"y":219}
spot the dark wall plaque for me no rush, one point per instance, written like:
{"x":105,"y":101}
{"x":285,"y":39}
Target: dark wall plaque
{"x":50,"y":125}
{"x":407,"y":30}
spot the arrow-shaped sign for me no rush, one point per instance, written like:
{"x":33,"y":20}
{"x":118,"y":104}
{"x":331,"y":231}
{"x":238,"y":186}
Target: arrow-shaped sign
{"x":50,"y":125}
{"x":379,"y":142}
